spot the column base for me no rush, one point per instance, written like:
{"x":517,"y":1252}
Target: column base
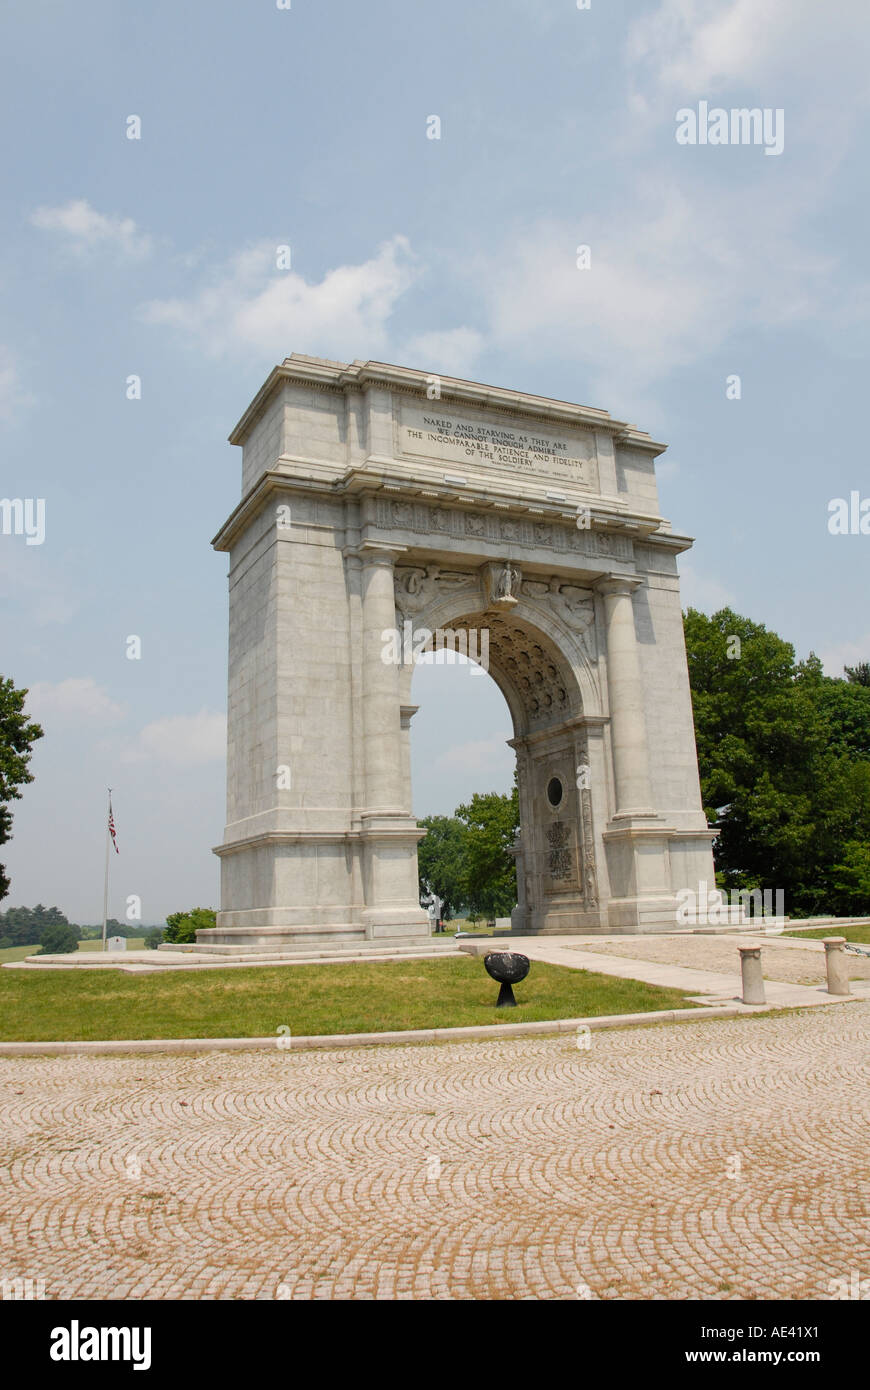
{"x":649,"y":862}
{"x":384,"y":924}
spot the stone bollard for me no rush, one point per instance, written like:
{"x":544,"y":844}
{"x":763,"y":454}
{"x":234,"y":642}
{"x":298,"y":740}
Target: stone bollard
{"x":836,"y":965}
{"x":753,"y":980}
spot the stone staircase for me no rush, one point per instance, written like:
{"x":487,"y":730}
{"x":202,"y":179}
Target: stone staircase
{"x":342,"y":950}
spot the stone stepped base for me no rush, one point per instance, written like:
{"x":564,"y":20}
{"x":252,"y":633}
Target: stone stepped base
{"x":732,"y":929}
{"x":189,"y":959}
{"x":321,"y":951}
{"x":814,"y":923}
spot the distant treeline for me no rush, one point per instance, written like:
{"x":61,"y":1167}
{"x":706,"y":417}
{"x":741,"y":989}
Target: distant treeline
{"x":24,"y":926}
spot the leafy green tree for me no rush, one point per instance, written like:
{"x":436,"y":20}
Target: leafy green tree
{"x":25,"y":925}
{"x":182,"y":927}
{"x":846,"y":708}
{"x":17,"y":736}
{"x":441,"y":861}
{"x":116,"y":928}
{"x":59,"y":940}
{"x":154,"y":938}
{"x":851,"y":879}
{"x":490,"y":880}
{"x":113,"y":928}
{"x":784,"y":758}
{"x":859,"y":674}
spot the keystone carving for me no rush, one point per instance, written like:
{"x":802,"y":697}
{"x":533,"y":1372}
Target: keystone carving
{"x":502,"y":584}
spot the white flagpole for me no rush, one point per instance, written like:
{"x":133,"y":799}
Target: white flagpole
{"x":106,"y":878}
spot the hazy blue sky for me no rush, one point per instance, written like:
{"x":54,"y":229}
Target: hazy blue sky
{"x":307,"y":127}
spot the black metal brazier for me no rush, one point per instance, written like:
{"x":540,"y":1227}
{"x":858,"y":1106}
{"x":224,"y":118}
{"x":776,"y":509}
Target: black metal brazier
{"x":508,"y":967}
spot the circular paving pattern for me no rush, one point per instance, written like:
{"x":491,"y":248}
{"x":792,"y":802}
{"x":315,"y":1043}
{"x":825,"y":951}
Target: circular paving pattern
{"x":781,"y":959}
{"x":710,"y":1160}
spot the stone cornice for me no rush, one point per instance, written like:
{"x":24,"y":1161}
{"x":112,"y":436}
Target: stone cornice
{"x":261,"y":838}
{"x":355,"y":376}
{"x":604,"y":512}
{"x":581,"y":723}
{"x":358,"y":483}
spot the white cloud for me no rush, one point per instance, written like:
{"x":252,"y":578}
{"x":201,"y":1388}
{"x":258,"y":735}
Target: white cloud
{"x":251,"y":304}
{"x":76,"y":700}
{"x":845,"y":654}
{"x":702,"y":46}
{"x":478,"y":756}
{"x":39,"y":592}
{"x":13,"y":397}
{"x":448,"y":352}
{"x":665,"y":287}
{"x":89,"y":230}
{"x":666,"y":469}
{"x":183,"y":740}
{"x":703,"y":592}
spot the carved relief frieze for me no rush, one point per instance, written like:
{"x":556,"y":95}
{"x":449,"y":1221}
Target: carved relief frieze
{"x":419,"y":587}
{"x":587,"y":836}
{"x":559,"y":858}
{"x":426,"y":519}
{"x":574,"y":605}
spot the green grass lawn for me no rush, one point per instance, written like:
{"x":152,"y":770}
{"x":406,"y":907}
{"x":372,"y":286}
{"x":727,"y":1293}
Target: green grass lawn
{"x":859,"y":936}
{"x":467,"y":928}
{"x":61,"y":1005}
{"x":17,"y":952}
{"x":134,"y":943}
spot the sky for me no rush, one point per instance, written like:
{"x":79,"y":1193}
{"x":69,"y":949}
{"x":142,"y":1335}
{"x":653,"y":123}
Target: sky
{"x":309,"y":126}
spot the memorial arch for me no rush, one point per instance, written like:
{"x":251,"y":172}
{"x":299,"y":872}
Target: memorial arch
{"x":376,"y":521}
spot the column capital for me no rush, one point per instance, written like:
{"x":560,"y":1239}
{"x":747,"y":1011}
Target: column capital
{"x":374,"y":553}
{"x":624,"y":584}
{"x":406,"y":714}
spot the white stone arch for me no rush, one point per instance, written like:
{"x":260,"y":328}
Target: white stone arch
{"x":538,"y":516}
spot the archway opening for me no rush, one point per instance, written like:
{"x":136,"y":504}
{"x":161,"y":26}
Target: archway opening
{"x":541,"y":852}
{"x":463,"y":778}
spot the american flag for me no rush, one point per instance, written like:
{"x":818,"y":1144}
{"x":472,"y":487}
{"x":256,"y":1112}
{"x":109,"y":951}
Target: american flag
{"x":112,"y":828}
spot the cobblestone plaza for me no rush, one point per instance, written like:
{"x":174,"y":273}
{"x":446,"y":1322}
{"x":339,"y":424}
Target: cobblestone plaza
{"x":717,"y":1159}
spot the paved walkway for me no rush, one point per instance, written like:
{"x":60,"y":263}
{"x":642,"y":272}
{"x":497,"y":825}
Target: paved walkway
{"x":706,"y":967}
{"x":782,"y":958}
{"x":712,"y":1159}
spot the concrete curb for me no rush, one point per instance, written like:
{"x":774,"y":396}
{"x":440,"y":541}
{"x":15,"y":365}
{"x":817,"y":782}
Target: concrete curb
{"x":413,"y":1035}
